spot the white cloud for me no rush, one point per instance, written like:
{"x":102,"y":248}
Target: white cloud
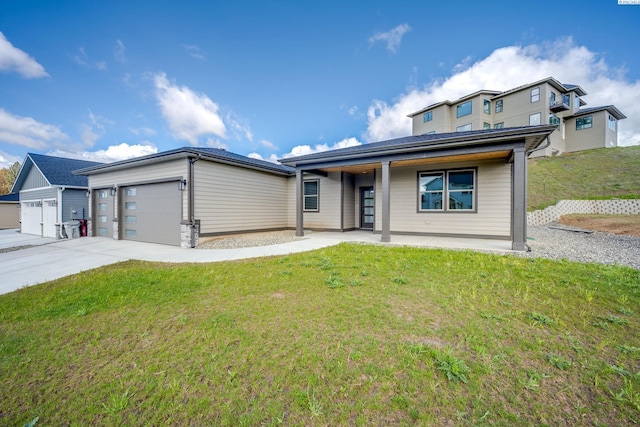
{"x":112,"y":153}
{"x":268,"y":144}
{"x":27,"y":132}
{"x":83,"y":59}
{"x":194,"y":51}
{"x":509,"y":67}
{"x":272,"y":158}
{"x":119,"y":50}
{"x":189,"y":115}
{"x":143,"y":131}
{"x":238,"y":127}
{"x":91,"y":132}
{"x":7,"y":160}
{"x":392,"y":38}
{"x":302,"y":150}
{"x":14,"y":59}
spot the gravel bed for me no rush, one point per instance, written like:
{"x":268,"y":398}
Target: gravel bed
{"x":603,"y":248}
{"x":15,"y":248}
{"x":248,"y":240}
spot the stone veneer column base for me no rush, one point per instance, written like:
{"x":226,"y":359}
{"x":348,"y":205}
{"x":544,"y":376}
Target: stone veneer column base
{"x":185,"y":234}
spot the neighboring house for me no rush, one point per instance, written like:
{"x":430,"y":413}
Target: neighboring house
{"x":468,"y":184}
{"x":9,"y":211}
{"x":50,"y":193}
{"x":542,"y":102}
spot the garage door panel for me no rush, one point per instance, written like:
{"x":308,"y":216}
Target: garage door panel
{"x":152,"y":213}
{"x":31,"y":218}
{"x":103,"y":212}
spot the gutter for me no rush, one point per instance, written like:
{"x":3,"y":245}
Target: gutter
{"x":539,"y":148}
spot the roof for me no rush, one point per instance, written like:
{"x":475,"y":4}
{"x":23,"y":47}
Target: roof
{"x":56,"y":170}
{"x":536,"y":135}
{"x":609,"y":108}
{"x":457,"y":101}
{"x":11,"y":197}
{"x":211,"y":154}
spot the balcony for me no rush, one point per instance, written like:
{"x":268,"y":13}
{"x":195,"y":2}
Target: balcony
{"x":563,"y":104}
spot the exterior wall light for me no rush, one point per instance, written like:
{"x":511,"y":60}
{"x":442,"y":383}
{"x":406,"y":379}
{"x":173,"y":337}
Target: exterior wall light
{"x":182,"y":185}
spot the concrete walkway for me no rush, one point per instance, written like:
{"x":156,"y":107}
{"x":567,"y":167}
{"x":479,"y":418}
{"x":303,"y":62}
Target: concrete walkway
{"x":51,"y":259}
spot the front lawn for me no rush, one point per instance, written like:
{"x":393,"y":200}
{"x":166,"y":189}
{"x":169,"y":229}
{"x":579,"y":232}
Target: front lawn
{"x":349,"y":335}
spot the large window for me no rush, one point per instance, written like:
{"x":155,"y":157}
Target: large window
{"x":499,"y":105}
{"x":499,"y":125}
{"x":584,"y":122}
{"x":554,"y":120}
{"x":446,"y":191}
{"x":464,"y":128}
{"x":463,"y":109}
{"x":535,"y":94}
{"x":486,"y":106}
{"x":311,"y":196}
{"x":612,"y":123}
{"x":534,"y":119}
{"x":427,"y":117}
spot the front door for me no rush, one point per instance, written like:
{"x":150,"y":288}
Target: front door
{"x":366,"y":208}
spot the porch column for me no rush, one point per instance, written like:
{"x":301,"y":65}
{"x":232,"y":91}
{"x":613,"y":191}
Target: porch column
{"x":519,"y":200}
{"x":386,"y":204}
{"x":299,"y":205}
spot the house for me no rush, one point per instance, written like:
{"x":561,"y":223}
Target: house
{"x":50,"y":193}
{"x":467,"y":184}
{"x":9,"y":211}
{"x":545,"y":101}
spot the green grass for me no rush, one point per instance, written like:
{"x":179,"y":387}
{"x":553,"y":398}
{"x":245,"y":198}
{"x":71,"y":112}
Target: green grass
{"x":349,"y":335}
{"x":604,"y":173}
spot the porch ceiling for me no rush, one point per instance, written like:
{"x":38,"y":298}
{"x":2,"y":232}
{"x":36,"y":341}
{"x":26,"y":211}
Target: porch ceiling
{"x":370,"y":167}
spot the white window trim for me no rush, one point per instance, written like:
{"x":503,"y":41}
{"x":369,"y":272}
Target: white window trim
{"x":305,"y":196}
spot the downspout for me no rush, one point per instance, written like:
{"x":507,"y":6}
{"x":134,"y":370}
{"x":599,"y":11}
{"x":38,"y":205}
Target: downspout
{"x":59,"y":203}
{"x":192,"y":219}
{"x":527,"y":153}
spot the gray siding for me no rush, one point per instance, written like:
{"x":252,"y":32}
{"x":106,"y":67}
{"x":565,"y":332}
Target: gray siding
{"x":74,"y":200}
{"x":44,"y":193}
{"x":348,"y":197}
{"x":34,"y":180}
{"x":233,"y":199}
{"x":493,"y":216}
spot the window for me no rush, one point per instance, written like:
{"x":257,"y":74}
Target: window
{"x":486,"y":106}
{"x":552,"y":98}
{"x":535,"y":94}
{"x":612,"y":123}
{"x":499,"y":106}
{"x":534,"y":119}
{"x":427,"y":117}
{"x":102,"y":231}
{"x":584,"y":122}
{"x":486,"y":125}
{"x":463,"y":109}
{"x":464,"y":128}
{"x":130,"y":206}
{"x":130,"y":192}
{"x":499,"y":125}
{"x":576,"y":102}
{"x":102,"y":206}
{"x":311,"y":196}
{"x":131,"y":219}
{"x":102,"y":218}
{"x":554,"y":120}
{"x":130,"y":233}
{"x":102,"y":194}
{"x":459,"y":190}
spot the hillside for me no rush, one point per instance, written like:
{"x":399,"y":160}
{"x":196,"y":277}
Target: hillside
{"x":603,"y":173}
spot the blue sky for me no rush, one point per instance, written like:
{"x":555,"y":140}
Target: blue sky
{"x":110,"y":80}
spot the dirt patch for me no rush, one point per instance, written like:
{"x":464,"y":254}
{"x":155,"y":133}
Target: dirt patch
{"x":627,"y":225}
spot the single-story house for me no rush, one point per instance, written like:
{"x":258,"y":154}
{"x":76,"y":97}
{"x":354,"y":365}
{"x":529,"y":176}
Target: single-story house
{"x":466,"y":184}
{"x":9,"y":211}
{"x":50,"y":193}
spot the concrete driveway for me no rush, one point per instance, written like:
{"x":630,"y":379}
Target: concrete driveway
{"x":50,"y":259}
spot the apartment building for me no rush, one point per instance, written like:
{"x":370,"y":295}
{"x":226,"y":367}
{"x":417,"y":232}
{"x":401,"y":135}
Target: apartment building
{"x":542,"y":102}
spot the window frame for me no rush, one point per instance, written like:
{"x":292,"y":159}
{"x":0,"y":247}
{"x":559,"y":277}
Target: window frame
{"x":535,"y":97}
{"x":486,"y":126}
{"x":539,"y":115}
{"x":583,"y":122}
{"x":499,"y":125}
{"x":486,"y":106}
{"x":611,"y":123}
{"x":500,"y":105}
{"x":427,"y":117}
{"x":316,"y":195}
{"x":458,"y":128}
{"x":445,"y":191}
{"x":463,"y":104}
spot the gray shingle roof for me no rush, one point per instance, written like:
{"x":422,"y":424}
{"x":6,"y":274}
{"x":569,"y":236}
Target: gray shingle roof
{"x":238,"y":158}
{"x":58,"y":170}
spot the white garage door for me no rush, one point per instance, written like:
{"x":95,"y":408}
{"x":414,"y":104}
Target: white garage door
{"x":31,"y":218}
{"x":49,"y":218}
{"x":152,"y":213}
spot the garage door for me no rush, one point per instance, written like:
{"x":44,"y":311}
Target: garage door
{"x":151,"y":213}
{"x":49,"y":218}
{"x":31,"y":218}
{"x":103,"y":212}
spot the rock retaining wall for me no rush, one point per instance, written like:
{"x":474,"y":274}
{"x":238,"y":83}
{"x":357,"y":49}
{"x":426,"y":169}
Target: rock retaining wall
{"x":567,"y":207}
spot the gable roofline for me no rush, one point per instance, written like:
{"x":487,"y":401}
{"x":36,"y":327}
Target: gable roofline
{"x":25,"y":168}
{"x":212,"y":154}
{"x":534,"y":134}
{"x":492,"y":93}
{"x":611,"y":109}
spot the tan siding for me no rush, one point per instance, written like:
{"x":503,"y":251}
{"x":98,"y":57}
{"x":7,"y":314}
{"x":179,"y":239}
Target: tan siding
{"x":230,"y":198}
{"x":493,"y":217}
{"x":137,"y":174}
{"x":9,"y":215}
{"x":328,"y":216}
{"x":349,"y":217}
{"x":586,"y":139}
